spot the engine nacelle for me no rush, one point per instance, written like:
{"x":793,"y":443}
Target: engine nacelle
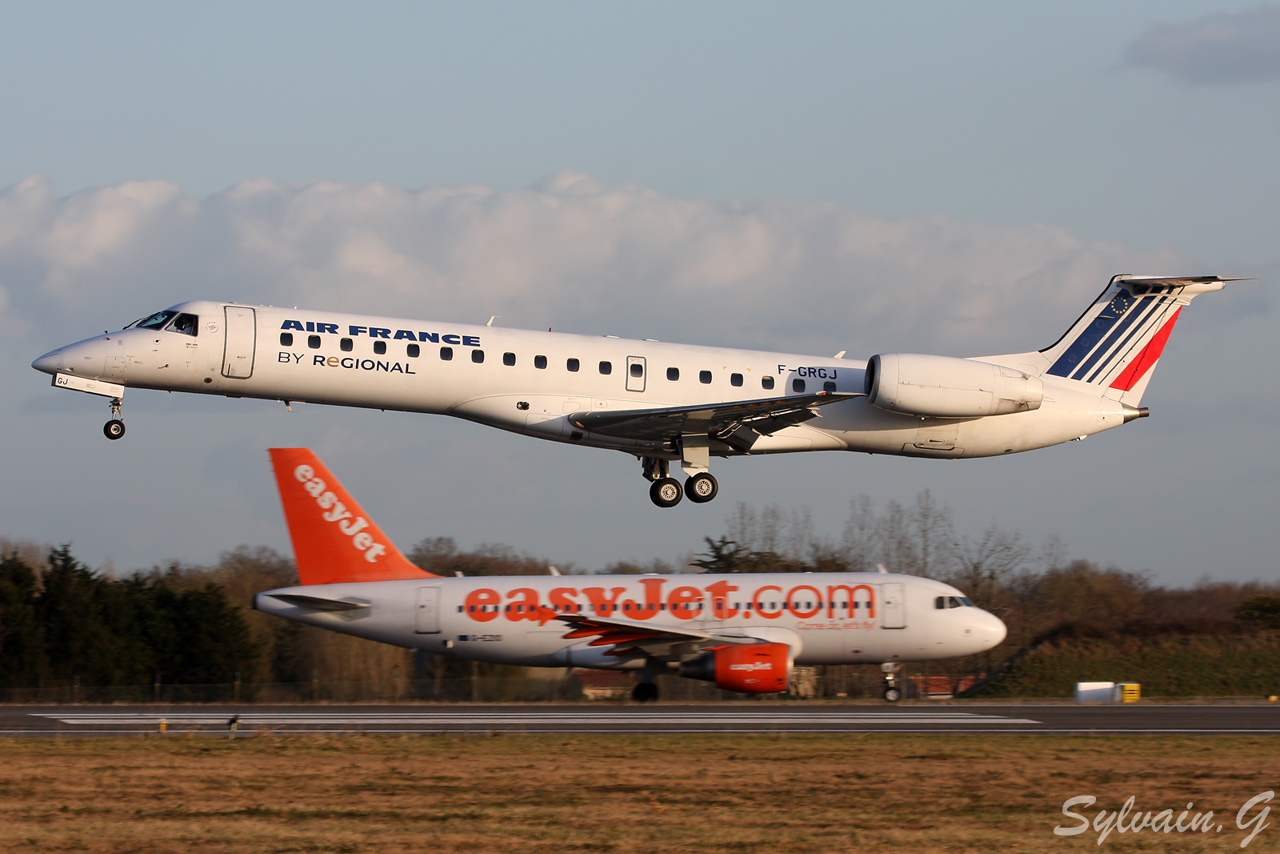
{"x":945,"y":387}
{"x":752,"y":668}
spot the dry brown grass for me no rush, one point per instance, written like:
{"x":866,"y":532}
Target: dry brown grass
{"x":636,"y":793}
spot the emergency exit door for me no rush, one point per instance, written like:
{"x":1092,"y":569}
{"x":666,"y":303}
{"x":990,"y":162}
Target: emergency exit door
{"x":241,"y":332}
{"x":427,"y":620}
{"x":893,"y":607}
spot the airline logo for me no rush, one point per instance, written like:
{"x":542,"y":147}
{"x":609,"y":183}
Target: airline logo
{"x":758,"y":665}
{"x":336,"y":512}
{"x":665,"y":599}
{"x":1107,"y":343}
{"x":385,"y":333}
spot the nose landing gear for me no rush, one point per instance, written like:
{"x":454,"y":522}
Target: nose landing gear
{"x":114,"y":428}
{"x":892,"y":693}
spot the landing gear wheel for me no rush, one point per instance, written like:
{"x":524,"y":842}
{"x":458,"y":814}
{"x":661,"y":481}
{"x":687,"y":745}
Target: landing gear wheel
{"x":701,"y":488}
{"x":893,"y":695}
{"x":113,"y":429}
{"x":666,"y":492}
{"x":644,"y":692}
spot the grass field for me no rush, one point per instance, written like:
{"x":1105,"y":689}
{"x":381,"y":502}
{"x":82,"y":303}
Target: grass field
{"x":635,"y":793}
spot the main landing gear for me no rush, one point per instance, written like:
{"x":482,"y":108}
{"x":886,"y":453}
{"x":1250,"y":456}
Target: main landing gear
{"x":666,"y":490}
{"x":114,"y":428}
{"x":645,"y":692}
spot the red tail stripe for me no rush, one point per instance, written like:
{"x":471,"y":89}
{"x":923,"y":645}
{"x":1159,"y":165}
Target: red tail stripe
{"x":1147,"y":359}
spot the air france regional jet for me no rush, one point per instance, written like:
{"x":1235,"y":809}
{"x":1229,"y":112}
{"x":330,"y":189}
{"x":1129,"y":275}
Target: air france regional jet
{"x":744,"y":632}
{"x":663,"y":403}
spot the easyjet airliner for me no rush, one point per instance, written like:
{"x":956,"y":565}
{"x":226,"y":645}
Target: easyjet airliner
{"x":663,"y":403}
{"x":744,"y":632}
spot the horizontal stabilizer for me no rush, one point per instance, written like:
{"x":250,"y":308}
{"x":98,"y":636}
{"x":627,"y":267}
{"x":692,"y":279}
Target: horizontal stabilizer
{"x":319,"y":603}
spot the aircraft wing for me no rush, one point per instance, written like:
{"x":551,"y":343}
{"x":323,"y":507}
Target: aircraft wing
{"x":628,"y":636}
{"x":738,"y":424}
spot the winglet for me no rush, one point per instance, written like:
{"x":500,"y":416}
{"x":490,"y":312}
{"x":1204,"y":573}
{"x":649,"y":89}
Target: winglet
{"x":334,"y":540}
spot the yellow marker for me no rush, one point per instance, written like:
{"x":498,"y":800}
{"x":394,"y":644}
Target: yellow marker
{"x":1272,"y":698}
{"x":164,"y":725}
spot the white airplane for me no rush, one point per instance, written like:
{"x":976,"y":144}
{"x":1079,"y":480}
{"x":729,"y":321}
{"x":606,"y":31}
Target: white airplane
{"x":663,"y":403}
{"x":744,"y":632}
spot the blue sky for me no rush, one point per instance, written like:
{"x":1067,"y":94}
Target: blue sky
{"x":665,"y":170}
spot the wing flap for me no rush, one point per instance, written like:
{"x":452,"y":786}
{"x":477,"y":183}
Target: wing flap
{"x":725,"y":421}
{"x":628,"y":637}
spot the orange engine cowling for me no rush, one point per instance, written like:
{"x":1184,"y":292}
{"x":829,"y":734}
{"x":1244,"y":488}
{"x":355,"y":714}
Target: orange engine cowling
{"x":753,"y":668}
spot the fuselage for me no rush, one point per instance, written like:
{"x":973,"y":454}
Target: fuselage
{"x":825,"y":618}
{"x":532,"y":382}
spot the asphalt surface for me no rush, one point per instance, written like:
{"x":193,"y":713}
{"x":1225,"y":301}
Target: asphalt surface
{"x":82,"y":720}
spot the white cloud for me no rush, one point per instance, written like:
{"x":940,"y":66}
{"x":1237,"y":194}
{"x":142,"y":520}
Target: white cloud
{"x":1217,"y":50}
{"x":569,"y":252}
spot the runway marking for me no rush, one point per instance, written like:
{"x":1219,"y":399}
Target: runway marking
{"x":537,"y":719}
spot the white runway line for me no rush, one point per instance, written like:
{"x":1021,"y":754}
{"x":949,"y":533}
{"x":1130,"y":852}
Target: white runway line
{"x":651,"y":718}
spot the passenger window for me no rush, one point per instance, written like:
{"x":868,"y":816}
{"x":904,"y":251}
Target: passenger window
{"x":477,"y":356}
{"x":509,"y":359}
{"x":413,"y":351}
{"x":704,"y":377}
{"x":540,"y":362}
{"x":571,"y":365}
{"x":346,"y":345}
{"x":766,"y":383}
{"x":446,"y":353}
{"x":673,"y":374}
{"x":313,"y":341}
{"x":735,"y":380}
{"x":637,"y":370}
{"x":380,"y":348}
{"x":828,"y":386}
{"x":286,"y":339}
{"x":797,"y":386}
{"x":606,"y":368}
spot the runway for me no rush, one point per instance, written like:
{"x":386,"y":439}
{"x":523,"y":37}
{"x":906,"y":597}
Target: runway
{"x":77,"y":721}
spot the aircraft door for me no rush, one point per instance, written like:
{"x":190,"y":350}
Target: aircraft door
{"x":893,"y":607}
{"x":237,"y":358}
{"x":427,"y":619}
{"x":635,"y":373}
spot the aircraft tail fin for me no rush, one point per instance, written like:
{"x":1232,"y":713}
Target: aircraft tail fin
{"x":1120,"y":337}
{"x":334,"y":540}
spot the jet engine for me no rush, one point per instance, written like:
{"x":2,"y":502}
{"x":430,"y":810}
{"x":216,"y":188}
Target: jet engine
{"x":752,"y":668}
{"x":945,"y":387}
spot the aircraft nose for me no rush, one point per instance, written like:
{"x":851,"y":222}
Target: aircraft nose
{"x":49,"y":363}
{"x":992,"y":630}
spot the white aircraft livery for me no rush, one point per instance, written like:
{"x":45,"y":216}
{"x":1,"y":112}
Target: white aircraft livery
{"x":744,"y":632}
{"x":664,"y":403}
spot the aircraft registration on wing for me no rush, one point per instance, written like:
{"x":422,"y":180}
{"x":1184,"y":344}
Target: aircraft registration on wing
{"x":744,"y":632}
{"x":664,"y":403}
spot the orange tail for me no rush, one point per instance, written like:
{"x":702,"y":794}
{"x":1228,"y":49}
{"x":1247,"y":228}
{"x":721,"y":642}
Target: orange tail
{"x":334,"y":540}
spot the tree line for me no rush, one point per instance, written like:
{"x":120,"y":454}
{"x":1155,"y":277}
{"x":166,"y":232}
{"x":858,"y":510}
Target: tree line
{"x":62,"y":622}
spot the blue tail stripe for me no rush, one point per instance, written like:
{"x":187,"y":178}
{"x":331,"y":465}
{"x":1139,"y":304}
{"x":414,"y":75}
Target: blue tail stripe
{"x":1096,"y":330}
{"x":1151,"y":316}
{"x":1132,"y":322}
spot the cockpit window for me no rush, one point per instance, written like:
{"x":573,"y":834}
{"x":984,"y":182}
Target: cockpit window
{"x":187,"y":324}
{"x":155,"y":321}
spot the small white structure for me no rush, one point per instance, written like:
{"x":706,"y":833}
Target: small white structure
{"x":1095,"y":692}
